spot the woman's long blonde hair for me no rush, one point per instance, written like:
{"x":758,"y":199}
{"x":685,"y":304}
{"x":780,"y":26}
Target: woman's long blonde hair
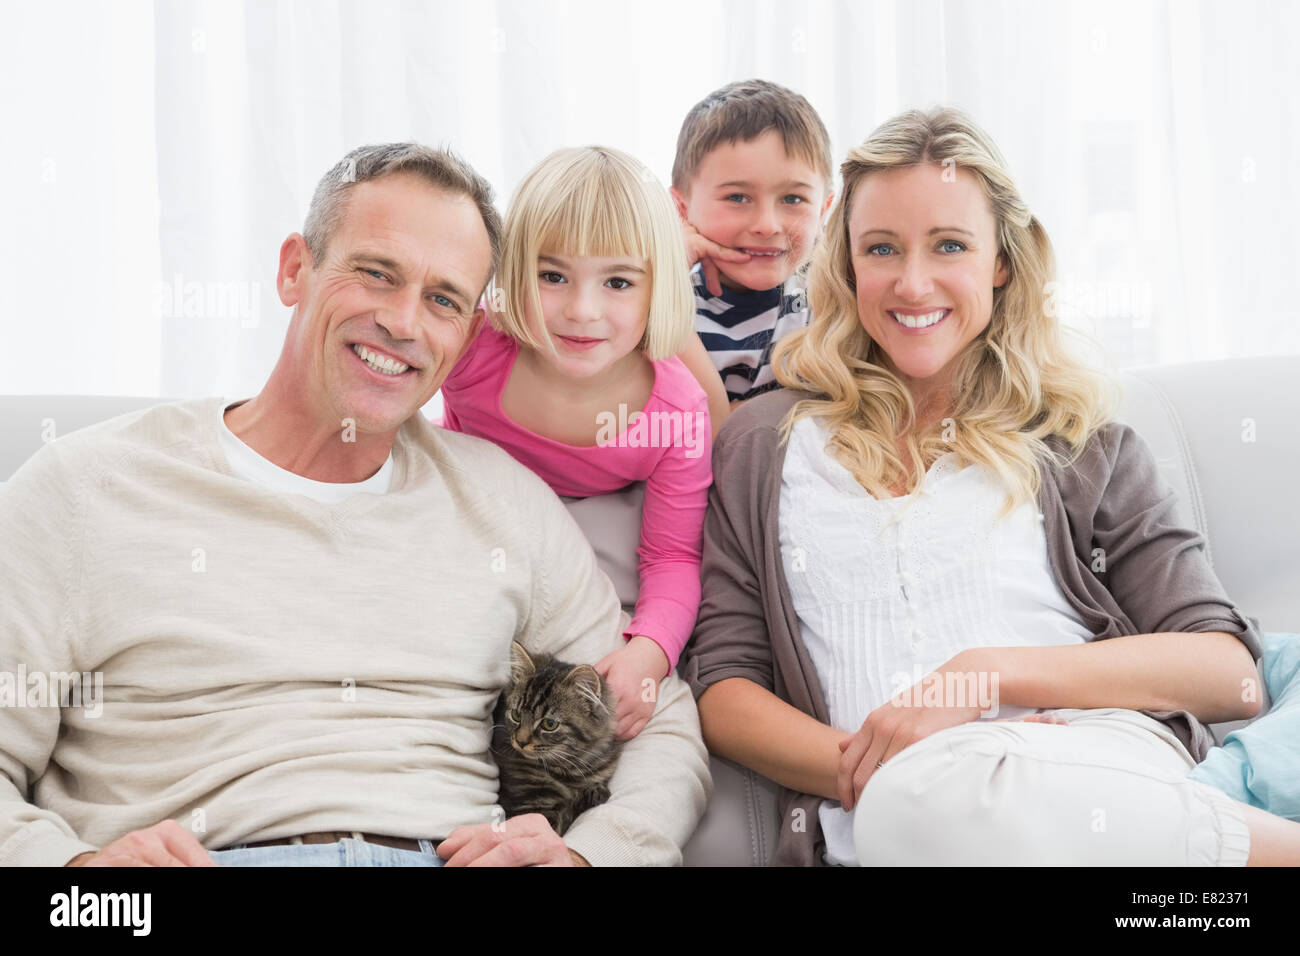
{"x":1014,"y":385}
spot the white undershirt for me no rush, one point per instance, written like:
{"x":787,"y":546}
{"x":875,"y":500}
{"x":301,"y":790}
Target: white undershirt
{"x":248,"y":464}
{"x":888,"y":590}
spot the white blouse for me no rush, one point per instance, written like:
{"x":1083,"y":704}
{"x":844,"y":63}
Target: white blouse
{"x":888,"y":590}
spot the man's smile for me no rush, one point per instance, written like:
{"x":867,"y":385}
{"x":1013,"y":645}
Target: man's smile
{"x":381,"y":362}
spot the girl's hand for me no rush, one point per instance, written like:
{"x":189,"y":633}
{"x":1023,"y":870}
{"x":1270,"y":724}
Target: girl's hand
{"x":633,"y":673}
{"x":708,"y":253}
{"x":896,"y":725}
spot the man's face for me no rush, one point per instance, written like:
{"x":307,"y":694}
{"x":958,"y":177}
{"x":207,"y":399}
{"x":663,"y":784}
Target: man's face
{"x":756,"y":198}
{"x":381,"y":320}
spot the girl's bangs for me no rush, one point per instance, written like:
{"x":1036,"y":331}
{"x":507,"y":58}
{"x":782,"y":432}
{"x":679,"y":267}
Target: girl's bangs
{"x":594,"y":219}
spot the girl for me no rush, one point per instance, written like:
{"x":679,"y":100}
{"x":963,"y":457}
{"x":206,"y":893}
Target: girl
{"x":574,"y":375}
{"x":934,"y":489}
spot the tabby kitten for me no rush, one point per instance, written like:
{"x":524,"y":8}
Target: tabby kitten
{"x":553,"y":738}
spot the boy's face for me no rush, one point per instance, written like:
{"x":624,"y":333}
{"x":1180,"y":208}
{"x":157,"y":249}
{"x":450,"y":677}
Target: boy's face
{"x":755,"y":198}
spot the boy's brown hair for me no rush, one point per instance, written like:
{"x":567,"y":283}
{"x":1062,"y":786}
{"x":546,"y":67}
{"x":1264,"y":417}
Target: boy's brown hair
{"x":743,"y":111}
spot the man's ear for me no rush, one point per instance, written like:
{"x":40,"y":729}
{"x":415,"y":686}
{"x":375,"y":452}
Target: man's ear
{"x":295,"y":263}
{"x":679,"y":201}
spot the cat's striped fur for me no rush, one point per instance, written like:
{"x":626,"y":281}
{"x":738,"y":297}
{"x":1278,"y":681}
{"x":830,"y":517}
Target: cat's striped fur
{"x":553,"y":738}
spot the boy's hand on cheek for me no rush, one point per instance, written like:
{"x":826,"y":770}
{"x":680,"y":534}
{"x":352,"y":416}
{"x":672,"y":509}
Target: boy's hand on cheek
{"x":708,"y":253}
{"x":633,"y":673}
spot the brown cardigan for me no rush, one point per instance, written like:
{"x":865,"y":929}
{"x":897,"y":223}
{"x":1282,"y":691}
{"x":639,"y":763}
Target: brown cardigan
{"x":1157,"y":577}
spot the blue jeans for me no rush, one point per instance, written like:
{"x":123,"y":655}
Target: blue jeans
{"x":347,"y":852}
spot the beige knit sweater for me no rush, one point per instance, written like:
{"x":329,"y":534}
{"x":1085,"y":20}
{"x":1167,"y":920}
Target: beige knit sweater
{"x":273,"y":666}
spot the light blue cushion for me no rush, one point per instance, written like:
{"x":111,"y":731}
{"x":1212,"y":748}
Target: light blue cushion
{"x":1259,"y":764}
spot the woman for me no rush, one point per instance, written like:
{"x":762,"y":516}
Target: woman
{"x":946,"y":601}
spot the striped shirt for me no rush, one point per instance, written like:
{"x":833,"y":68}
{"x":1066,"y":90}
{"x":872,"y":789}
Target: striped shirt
{"x":739,"y":329}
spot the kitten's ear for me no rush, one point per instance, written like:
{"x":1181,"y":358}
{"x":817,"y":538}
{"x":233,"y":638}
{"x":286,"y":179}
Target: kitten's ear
{"x":521,"y":665}
{"x":586,"y":681}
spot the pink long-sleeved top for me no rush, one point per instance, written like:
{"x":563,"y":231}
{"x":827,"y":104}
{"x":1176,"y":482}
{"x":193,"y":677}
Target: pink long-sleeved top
{"x":669,"y":448}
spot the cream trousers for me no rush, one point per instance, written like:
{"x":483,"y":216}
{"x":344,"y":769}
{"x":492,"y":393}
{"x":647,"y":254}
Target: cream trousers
{"x":1107,"y":789}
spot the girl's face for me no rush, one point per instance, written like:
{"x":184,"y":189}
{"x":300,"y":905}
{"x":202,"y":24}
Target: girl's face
{"x":594,"y":309}
{"x":924,"y":252}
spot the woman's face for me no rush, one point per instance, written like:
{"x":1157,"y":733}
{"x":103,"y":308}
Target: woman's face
{"x":924,"y":253}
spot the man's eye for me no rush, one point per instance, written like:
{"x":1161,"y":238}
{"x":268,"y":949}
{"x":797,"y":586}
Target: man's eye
{"x":376,"y":273}
{"x":736,"y":197}
{"x":445,"y":302}
{"x":952,"y":242}
{"x":625,"y":283}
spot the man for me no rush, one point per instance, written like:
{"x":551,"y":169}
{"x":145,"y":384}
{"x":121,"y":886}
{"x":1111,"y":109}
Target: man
{"x":302,"y":604}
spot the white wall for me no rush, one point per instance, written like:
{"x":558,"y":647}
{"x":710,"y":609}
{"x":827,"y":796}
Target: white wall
{"x":155,"y":147}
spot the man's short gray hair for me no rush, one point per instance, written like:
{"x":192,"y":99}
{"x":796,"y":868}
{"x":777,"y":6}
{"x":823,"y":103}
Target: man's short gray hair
{"x":439,"y":167}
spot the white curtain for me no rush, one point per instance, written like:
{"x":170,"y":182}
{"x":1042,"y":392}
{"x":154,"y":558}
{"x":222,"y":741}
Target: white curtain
{"x":157,"y":153}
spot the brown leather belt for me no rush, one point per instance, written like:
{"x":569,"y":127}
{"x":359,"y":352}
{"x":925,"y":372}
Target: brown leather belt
{"x":334,"y":836}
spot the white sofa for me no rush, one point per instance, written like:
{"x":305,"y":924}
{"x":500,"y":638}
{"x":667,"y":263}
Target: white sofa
{"x":1225,"y":433}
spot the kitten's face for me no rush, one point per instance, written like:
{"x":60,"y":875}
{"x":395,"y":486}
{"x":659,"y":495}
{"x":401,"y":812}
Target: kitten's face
{"x":554,"y":710}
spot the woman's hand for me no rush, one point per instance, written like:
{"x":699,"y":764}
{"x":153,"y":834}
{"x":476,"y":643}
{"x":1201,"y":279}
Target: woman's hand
{"x":633,"y":673}
{"x":910,"y":715}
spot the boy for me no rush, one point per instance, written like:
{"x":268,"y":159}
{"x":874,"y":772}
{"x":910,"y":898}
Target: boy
{"x":752,"y":183}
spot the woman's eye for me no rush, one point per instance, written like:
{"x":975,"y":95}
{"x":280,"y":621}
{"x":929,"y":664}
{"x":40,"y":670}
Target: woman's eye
{"x":794,"y":200}
{"x":551,"y":277}
{"x":550,"y":723}
{"x":952,"y":242}
{"x":871,"y":250}
{"x":625,"y":284}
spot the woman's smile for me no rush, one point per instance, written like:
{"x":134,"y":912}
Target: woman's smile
{"x":919,"y":322}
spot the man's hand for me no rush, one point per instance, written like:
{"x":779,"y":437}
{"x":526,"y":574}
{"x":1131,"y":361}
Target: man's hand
{"x":526,"y":840}
{"x":626,"y":671}
{"x":163,"y":844}
{"x":708,"y":253}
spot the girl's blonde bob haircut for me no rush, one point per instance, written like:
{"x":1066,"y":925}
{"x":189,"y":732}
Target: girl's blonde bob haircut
{"x":594,"y":201}
{"x":1014,"y":386}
